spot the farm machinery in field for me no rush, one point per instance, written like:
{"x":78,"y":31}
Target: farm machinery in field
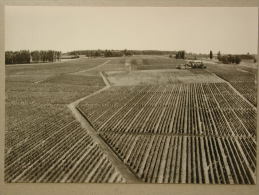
{"x":193,"y":65}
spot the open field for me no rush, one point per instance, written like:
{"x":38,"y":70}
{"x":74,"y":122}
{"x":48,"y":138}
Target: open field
{"x":154,"y":62}
{"x":160,"y":77}
{"x":130,"y":120}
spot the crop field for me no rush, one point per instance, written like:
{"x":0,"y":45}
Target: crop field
{"x":173,"y":109}
{"x":41,"y":90}
{"x":243,"y":78}
{"x":164,"y":133}
{"x":186,"y":159}
{"x":37,"y":118}
{"x":130,"y":120}
{"x":28,"y":100}
{"x":56,"y":142}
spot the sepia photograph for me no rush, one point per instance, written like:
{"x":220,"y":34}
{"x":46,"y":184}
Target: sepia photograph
{"x":158,"y":95}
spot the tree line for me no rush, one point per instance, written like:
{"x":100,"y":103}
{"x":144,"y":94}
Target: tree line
{"x":100,"y":53}
{"x":25,"y":56}
{"x":230,"y":59}
{"x":233,"y":59}
{"x":118,"y":53}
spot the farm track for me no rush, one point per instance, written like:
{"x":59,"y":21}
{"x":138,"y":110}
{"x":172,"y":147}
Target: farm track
{"x":90,"y":69}
{"x":71,"y":72}
{"x":121,"y":167}
{"x":113,"y":158}
{"x":107,"y":83}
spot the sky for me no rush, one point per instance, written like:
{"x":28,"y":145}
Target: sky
{"x":198,"y":30}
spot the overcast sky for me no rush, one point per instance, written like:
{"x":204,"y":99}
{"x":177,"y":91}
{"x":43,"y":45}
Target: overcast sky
{"x":230,"y":30}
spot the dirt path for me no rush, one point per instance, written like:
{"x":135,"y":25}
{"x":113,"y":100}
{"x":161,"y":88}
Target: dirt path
{"x":128,"y":65}
{"x":111,"y":155}
{"x":93,"y":68}
{"x":77,"y":72}
{"x":106,"y":81}
{"x":114,"y":159}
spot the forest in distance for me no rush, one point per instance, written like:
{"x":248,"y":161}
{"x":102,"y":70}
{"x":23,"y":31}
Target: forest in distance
{"x":37,"y":56}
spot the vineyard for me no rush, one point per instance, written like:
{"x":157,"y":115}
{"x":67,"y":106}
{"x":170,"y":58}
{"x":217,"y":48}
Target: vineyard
{"x":130,"y":120}
{"x":244,"y":79}
{"x":29,"y":101}
{"x":57,"y":149}
{"x":179,"y":133}
{"x":177,"y":109}
{"x":36,"y":91}
{"x":43,"y":141}
{"x":186,"y":159}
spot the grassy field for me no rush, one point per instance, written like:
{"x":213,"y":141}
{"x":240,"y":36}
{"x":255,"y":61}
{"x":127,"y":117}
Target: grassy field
{"x":160,"y":77}
{"x":161,"y":124}
{"x":154,"y":62}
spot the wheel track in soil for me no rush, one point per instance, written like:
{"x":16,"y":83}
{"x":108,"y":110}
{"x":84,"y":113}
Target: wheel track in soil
{"x":119,"y":165}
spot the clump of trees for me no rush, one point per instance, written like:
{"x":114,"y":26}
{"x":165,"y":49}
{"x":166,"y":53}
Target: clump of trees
{"x":25,"y":56}
{"x":127,"y":52}
{"x":235,"y":59}
{"x":96,"y":53}
{"x":45,"y":56}
{"x":17,"y":57}
{"x":180,"y":55}
{"x":229,"y":59}
{"x":112,"y":53}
